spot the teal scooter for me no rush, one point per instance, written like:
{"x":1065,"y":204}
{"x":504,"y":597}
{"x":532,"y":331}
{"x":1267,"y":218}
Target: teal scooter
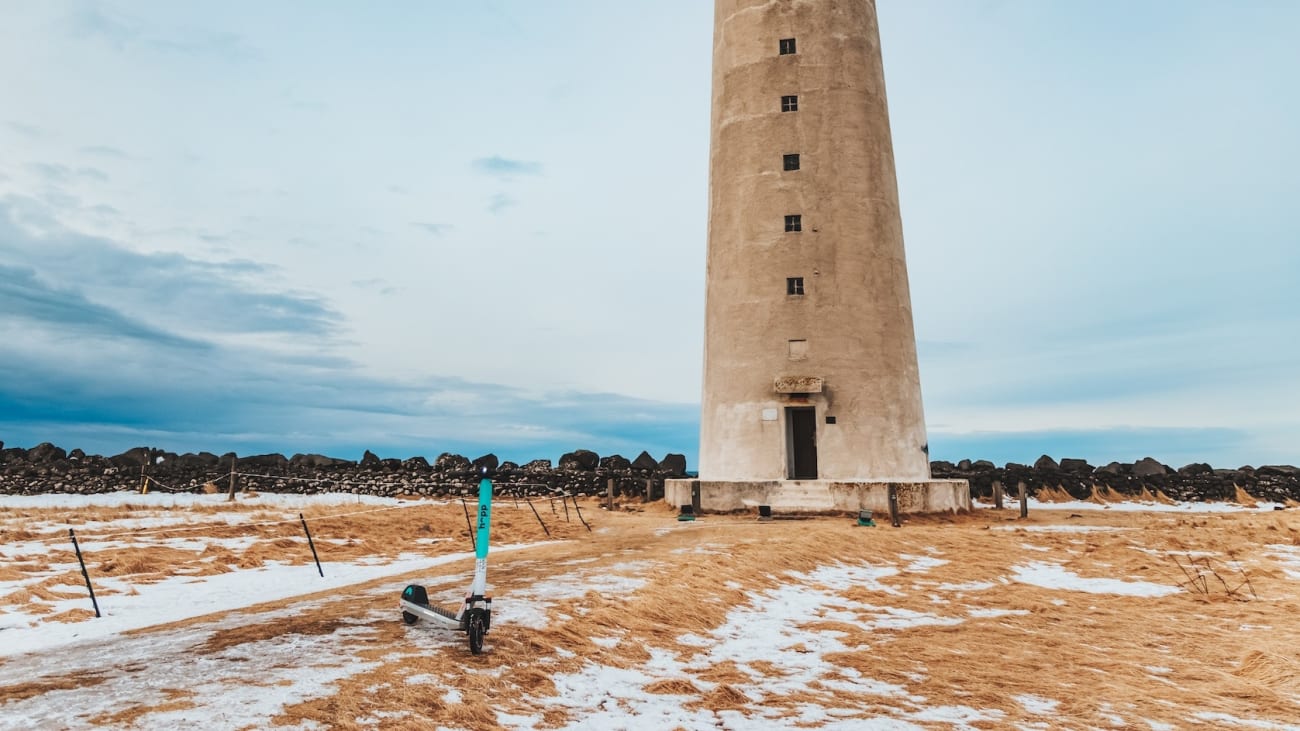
{"x":475,"y":615}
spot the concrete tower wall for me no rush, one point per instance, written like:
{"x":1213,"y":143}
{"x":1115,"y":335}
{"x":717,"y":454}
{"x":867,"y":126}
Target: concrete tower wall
{"x":855,"y":314}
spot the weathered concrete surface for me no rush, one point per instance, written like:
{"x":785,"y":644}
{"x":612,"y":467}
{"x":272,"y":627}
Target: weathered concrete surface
{"x":820,"y":496}
{"x":855,"y":314}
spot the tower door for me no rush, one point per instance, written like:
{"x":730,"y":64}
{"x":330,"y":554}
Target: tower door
{"x":801,"y":442}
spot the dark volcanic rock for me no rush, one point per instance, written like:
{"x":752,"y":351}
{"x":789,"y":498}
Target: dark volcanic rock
{"x":316,"y":461}
{"x":1076,"y":466}
{"x":489,"y":461}
{"x":131,"y":458}
{"x":448,"y":462}
{"x":74,"y":454}
{"x":1195,"y":468}
{"x":673,"y":465}
{"x":263,"y":462}
{"x":580,"y":460}
{"x":538,"y":466}
{"x":1046,"y":463}
{"x":370,"y":459}
{"x":1278,"y":470}
{"x":415,"y":463}
{"x":645,"y":462}
{"x":615,"y":462}
{"x":1116,"y":468}
{"x":1148,"y":467}
{"x":45,"y":452}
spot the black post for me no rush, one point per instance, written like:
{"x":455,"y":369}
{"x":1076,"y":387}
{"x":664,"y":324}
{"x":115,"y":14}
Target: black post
{"x":893,"y":506}
{"x":539,"y":518}
{"x":84,"y":573}
{"x":469,"y":524}
{"x":313,"y":545}
{"x":1024,"y":501}
{"x":578,"y":510}
{"x":564,"y":500}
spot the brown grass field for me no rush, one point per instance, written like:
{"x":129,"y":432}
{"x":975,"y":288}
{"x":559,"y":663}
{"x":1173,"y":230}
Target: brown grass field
{"x":649,"y":623}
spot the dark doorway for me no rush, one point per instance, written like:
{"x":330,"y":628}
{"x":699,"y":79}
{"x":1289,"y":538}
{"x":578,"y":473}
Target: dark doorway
{"x":801,"y":442}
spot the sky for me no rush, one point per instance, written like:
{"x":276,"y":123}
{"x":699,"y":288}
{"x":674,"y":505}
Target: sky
{"x":417,"y":227}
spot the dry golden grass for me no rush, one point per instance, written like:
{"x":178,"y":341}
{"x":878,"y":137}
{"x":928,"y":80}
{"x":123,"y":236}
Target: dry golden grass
{"x":1098,"y":655}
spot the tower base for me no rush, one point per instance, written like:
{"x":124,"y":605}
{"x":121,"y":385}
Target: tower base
{"x":818,"y":496}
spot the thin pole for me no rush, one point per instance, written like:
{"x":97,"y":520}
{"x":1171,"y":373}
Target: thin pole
{"x":1024,"y":501}
{"x":564,"y":500}
{"x":144,"y":482}
{"x":539,"y":518}
{"x":230,"y":498}
{"x":313,"y":545}
{"x":893,"y":506}
{"x":469,"y":524}
{"x":84,"y":573}
{"x":609,"y":494}
{"x":997,"y":494}
{"x":578,"y":510}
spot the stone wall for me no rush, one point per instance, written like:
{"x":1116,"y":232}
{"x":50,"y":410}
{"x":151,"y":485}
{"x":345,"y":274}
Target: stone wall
{"x":1191,"y":482}
{"x":47,"y":468}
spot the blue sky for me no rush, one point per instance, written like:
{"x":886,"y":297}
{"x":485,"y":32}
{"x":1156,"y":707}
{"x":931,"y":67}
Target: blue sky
{"x":419,"y":227}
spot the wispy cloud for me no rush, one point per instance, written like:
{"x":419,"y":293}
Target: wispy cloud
{"x":169,"y":291}
{"x":505,"y":168}
{"x":25,"y":130}
{"x":500,"y":202}
{"x":127,"y":33}
{"x":105,"y":151}
{"x":437,"y":229}
{"x":63,"y":310}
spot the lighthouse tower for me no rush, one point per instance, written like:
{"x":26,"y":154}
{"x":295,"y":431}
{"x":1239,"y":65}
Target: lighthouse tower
{"x":812,"y":395}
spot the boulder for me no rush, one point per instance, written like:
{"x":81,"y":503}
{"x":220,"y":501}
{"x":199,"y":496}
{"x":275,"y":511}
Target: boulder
{"x":489,"y":461}
{"x":1046,"y":463}
{"x":264,"y":462}
{"x":415,"y":463}
{"x":645,"y":462}
{"x":508,"y":466}
{"x":616,"y":462}
{"x":580,"y":460}
{"x":538,"y":466}
{"x":942,"y":466}
{"x":1116,"y":468}
{"x":1195,"y":468}
{"x":1076,"y":466}
{"x":370,"y":459}
{"x":131,"y":457}
{"x":984,"y":464}
{"x":673,"y":464}
{"x":45,"y":452}
{"x":74,"y":454}
{"x":448,"y":462}
{"x":1268,"y":470}
{"x":963,"y":465}
{"x":316,"y":461}
{"x":1148,"y":467}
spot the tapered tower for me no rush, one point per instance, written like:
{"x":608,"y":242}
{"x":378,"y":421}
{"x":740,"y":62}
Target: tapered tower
{"x":812,"y":395}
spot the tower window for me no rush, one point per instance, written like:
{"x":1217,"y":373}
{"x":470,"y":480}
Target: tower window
{"x":790,"y":103}
{"x":798,"y":350}
{"x":794,"y":223}
{"x":794,"y":285}
{"x":787,"y":46}
{"x":791,"y":161}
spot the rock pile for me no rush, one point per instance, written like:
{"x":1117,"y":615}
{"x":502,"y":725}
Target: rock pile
{"x":1196,"y":481}
{"x":47,"y":468}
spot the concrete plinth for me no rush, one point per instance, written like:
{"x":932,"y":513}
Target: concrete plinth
{"x":819,"y":496}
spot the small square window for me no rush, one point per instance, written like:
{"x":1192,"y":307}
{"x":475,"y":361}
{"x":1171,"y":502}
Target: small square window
{"x":798,"y":350}
{"x":794,"y":223}
{"x":787,"y":46}
{"x":789,"y":103}
{"x":830,"y":420}
{"x":791,"y":161}
{"x":794,"y":285}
